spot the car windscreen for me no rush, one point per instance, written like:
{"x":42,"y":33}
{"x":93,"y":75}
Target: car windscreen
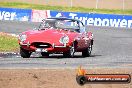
{"x":66,"y":24}
{"x":47,"y":24}
{"x":60,"y":24}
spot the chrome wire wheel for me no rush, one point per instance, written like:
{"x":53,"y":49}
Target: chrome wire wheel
{"x":90,"y":49}
{"x":87,"y":52}
{"x":70,"y":52}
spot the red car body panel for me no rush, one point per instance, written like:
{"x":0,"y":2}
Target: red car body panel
{"x":52,"y":36}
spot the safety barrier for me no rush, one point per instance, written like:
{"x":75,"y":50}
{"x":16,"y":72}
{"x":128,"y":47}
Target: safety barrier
{"x":15,"y":14}
{"x":93,"y":19}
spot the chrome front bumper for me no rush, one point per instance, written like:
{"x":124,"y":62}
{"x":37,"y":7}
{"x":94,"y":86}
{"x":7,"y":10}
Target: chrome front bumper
{"x":28,"y":45}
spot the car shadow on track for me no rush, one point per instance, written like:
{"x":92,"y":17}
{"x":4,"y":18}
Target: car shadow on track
{"x":95,"y":55}
{"x":52,"y":56}
{"x":57,"y":57}
{"x":61,"y":56}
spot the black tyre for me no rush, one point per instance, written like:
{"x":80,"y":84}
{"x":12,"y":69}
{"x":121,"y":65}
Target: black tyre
{"x":44,"y":54}
{"x":87,"y":51}
{"x":81,"y":80}
{"x":24,"y":53}
{"x":70,"y":52}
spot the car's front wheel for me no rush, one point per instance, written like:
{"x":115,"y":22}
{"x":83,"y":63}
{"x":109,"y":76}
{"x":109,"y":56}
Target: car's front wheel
{"x":70,"y":52}
{"x":24,"y":53}
{"x":87,"y":51}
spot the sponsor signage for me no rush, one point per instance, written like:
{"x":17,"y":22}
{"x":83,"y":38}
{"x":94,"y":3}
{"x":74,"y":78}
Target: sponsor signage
{"x":95,"y":19}
{"x":15,"y":14}
{"x":82,"y":78}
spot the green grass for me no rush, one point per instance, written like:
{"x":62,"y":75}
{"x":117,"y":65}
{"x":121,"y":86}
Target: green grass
{"x":69,"y":9}
{"x":8,"y":43}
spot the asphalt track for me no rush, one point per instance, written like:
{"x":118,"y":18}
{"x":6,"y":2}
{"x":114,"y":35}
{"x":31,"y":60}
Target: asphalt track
{"x":112,"y":49}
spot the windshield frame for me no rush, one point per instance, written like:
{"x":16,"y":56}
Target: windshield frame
{"x":55,"y":20}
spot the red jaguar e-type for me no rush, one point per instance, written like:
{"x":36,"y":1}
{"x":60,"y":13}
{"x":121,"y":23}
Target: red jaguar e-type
{"x":57,"y":35}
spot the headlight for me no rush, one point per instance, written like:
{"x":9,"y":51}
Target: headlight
{"x":23,"y":37}
{"x":64,"y":39}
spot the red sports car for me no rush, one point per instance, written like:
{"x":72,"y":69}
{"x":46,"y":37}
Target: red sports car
{"x":57,"y":35}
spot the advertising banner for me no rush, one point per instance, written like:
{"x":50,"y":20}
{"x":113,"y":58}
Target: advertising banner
{"x":39,"y":15}
{"x":95,"y":19}
{"x":15,"y":14}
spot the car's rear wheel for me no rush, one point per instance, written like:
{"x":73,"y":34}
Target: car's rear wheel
{"x":44,"y":54}
{"x":24,"y":53}
{"x":87,"y":51}
{"x":70,"y":52}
